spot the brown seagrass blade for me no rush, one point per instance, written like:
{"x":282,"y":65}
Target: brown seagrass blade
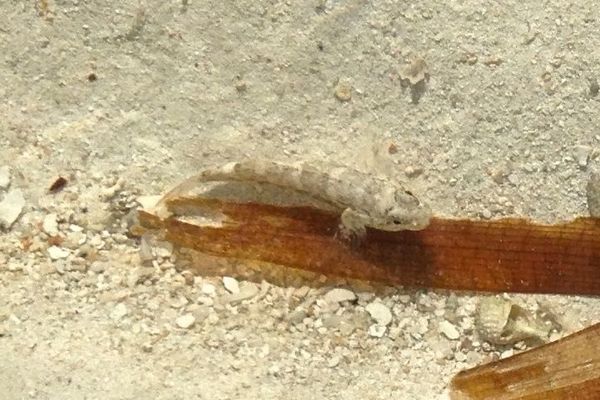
{"x":566,"y":369}
{"x":510,"y":255}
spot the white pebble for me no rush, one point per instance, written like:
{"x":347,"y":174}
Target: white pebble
{"x":57,"y":253}
{"x":380,"y":313}
{"x":377,"y":330}
{"x":147,"y":202}
{"x":449,"y":330}
{"x":11,"y":207}
{"x":50,"y":226}
{"x":119,"y":312}
{"x":231,"y":284}
{"x":185,"y":321}
{"x":582,"y":155}
{"x":208,"y":289}
{"x":247,"y":291}
{"x":339,"y":295}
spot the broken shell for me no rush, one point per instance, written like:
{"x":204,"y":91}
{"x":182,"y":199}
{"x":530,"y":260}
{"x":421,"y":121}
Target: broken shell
{"x":500,"y":321}
{"x":417,"y":71}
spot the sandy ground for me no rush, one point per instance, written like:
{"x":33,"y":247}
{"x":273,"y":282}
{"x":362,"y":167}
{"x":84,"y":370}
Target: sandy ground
{"x":128,"y":98}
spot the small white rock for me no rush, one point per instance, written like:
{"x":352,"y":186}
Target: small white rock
{"x":147,"y":202}
{"x":231,"y":284}
{"x":57,"y":253}
{"x":50,"y":226}
{"x":582,"y":155}
{"x":449,"y":330}
{"x":11,"y":207}
{"x":119,"y":312}
{"x":377,"y":330}
{"x":4,"y":177}
{"x":163,"y":249}
{"x":339,"y":295}
{"x":185,"y":321}
{"x":98,"y":267}
{"x":208,"y":289}
{"x":380,"y":313}
{"x":247,"y":291}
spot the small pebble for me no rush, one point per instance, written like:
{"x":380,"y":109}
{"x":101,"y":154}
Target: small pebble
{"x":339,"y":295}
{"x":208,"y":288}
{"x":485,"y":213}
{"x":119,"y":312}
{"x":231,"y":285}
{"x":98,"y":267}
{"x":582,"y":155}
{"x":377,"y":330}
{"x":11,"y":207}
{"x":343,"y":91}
{"x":147,"y":202}
{"x":247,"y":291}
{"x":56,"y":252}
{"x":188,"y":276}
{"x":380,"y":313}
{"x":185,"y":321}
{"x":449,"y":330}
{"x":163,"y":249}
{"x":50,"y":226}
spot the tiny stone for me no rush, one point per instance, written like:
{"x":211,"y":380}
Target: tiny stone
{"x":231,"y":284}
{"x":185,"y":321}
{"x":98,"y":267}
{"x":339,"y":295}
{"x":50,"y":226}
{"x":56,"y":252}
{"x":377,"y":330}
{"x":188,"y":276}
{"x":582,"y":155}
{"x":163,"y":249}
{"x":507,"y":353}
{"x":247,"y":291}
{"x":4,"y":177}
{"x":147,"y":202}
{"x":119,"y":312}
{"x":449,"y":330}
{"x":11,"y":207}
{"x":380,"y":313}
{"x":208,"y":288}
{"x":343,"y":91}
{"x":413,"y":172}
{"x":487,"y":214}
